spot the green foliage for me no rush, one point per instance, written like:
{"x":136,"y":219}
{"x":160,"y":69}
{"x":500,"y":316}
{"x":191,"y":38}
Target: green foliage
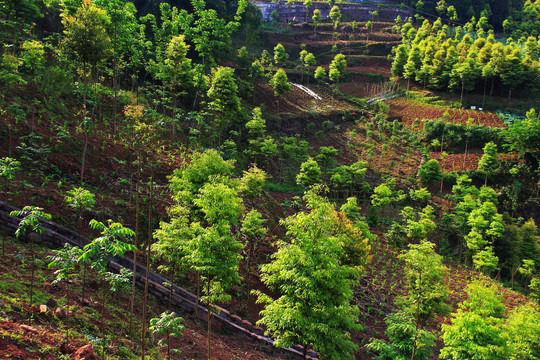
{"x":427,"y":291}
{"x":31,"y":220}
{"x":488,"y":163}
{"x":188,"y":179}
{"x":80,"y":199}
{"x":320,"y":73}
{"x":384,"y":194}
{"x":219,"y":203}
{"x":337,"y":67}
{"x":257,"y":70}
{"x":523,"y":329}
{"x":64,"y":261}
{"x":252,"y":226}
{"x":524,"y":135}
{"x":326,"y":156}
{"x":8,"y":168}
{"x":252,"y":182}
{"x":120,"y":282}
{"x":32,"y":53}
{"x":402,"y":333}
{"x":430,"y":172}
{"x":85,"y":37}
{"x":421,"y":195}
{"x":169,"y":324}
{"x":280,"y":55}
{"x":280,"y":83}
{"x":173,"y":238}
{"x":223,"y":93}
{"x":310,"y":174}
{"x":257,"y":125}
{"x":315,"y":281}
{"x":335,"y":15}
{"x":109,"y":244}
{"x":476,"y":329}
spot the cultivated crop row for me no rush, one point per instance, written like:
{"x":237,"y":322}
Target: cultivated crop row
{"x":462,"y":162}
{"x":410,"y":110}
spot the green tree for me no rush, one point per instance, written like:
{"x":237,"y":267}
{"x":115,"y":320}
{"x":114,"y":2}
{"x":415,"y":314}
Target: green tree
{"x":524,"y":135}
{"x":252,"y":182}
{"x":310,"y":174}
{"x":101,"y":250}
{"x":177,"y":72}
{"x":320,"y":74}
{"x":452,"y":14}
{"x":314,"y":274}
{"x":30,"y":223}
{"x":168,"y":324}
{"x":87,"y":43}
{"x":523,"y":328}
{"x":427,"y":291}
{"x":257,"y":125}
{"x":476,"y":330}
{"x":32,"y":52}
{"x":253,"y":231}
{"x":213,"y":251}
{"x":400,"y":59}
{"x":430,"y":172}
{"x":280,"y":55}
{"x":326,"y":156}
{"x":489,"y":162}
{"x":225,"y":103}
{"x":405,"y":341}
{"x":335,"y":15}
{"x":337,"y":68}
{"x":209,"y":33}
{"x":280,"y":83}
{"x":309,"y":60}
{"x":64,"y":261}
{"x":308,"y":4}
{"x":8,"y":168}
{"x":80,"y":200}
{"x":316,"y":19}
{"x":369,"y":28}
{"x":173,"y":240}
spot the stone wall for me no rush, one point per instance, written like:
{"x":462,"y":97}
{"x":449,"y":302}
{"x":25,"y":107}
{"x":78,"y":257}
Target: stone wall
{"x":358,"y":12}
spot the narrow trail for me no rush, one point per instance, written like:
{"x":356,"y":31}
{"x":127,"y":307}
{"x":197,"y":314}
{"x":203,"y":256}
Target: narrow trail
{"x":59,"y":235}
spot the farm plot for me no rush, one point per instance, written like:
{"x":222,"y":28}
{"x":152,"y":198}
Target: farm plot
{"x":409,"y":111}
{"x":462,"y":162}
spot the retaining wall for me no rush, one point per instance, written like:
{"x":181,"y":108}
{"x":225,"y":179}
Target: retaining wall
{"x":59,"y":235}
{"x":358,"y":12}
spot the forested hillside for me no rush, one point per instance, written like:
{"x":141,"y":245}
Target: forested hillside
{"x":318,"y":187}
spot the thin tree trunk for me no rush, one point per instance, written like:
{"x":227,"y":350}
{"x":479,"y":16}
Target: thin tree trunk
{"x":198,"y":294}
{"x":68,"y":291}
{"x":465,"y":156}
{"x":84,"y":124}
{"x":83,"y":283}
{"x":32,"y":271}
{"x":484,"y":97}
{"x":102,"y":321}
{"x":115,"y":72}
{"x":304,"y":353}
{"x":209,"y":316}
{"x":148,"y":251}
{"x":461,"y":99}
{"x":134,"y":279}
